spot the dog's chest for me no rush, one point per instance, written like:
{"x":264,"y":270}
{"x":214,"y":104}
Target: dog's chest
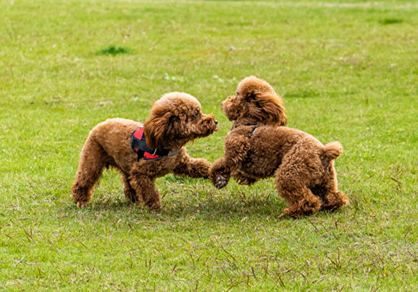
{"x":160,"y":167}
{"x":254,"y":155}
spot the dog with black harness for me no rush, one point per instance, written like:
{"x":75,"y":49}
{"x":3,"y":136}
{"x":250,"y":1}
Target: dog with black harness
{"x":143,"y":152}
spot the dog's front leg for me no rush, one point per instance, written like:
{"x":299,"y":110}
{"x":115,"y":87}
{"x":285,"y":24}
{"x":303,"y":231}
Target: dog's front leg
{"x":220,"y":173}
{"x":193,"y":167}
{"x":144,"y":187}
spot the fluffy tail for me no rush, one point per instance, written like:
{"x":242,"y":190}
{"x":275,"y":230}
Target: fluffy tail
{"x":331,"y":151}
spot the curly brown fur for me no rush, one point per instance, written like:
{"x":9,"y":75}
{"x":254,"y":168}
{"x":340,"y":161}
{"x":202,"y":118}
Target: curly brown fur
{"x":260,"y":146}
{"x":175,"y":119}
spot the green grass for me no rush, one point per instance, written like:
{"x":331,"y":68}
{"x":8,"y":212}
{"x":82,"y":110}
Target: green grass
{"x":347,"y":71}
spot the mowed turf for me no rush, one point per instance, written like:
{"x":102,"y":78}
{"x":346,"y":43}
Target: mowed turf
{"x":347,"y":71}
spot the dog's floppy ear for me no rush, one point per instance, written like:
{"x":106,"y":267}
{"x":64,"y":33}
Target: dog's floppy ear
{"x":264,"y":103}
{"x":155,"y":128}
{"x":272,"y":105}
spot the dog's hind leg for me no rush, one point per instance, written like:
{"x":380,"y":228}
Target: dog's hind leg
{"x":301,"y":201}
{"x":92,"y":162}
{"x":292,"y":180}
{"x":332,"y":198}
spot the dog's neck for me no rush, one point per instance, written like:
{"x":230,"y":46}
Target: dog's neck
{"x":251,"y":122}
{"x":172,"y":145}
{"x":245,"y":129}
{"x":246,"y":122}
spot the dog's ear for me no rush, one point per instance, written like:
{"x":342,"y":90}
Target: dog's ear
{"x":264,"y":103}
{"x":155,"y":129}
{"x":272,"y":105}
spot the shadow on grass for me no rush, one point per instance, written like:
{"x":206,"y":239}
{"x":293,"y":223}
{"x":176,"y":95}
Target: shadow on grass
{"x":210,"y":208}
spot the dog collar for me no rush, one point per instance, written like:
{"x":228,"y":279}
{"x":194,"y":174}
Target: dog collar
{"x":253,"y":132}
{"x":141,"y":148}
{"x":255,"y":128}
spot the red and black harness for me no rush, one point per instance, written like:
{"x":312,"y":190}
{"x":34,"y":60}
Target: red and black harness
{"x":141,"y":148}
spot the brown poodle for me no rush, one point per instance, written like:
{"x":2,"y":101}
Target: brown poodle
{"x":260,"y":146}
{"x":141,"y":153}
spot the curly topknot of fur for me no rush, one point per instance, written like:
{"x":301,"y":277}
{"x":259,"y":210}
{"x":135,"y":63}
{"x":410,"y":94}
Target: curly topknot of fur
{"x":255,"y":102}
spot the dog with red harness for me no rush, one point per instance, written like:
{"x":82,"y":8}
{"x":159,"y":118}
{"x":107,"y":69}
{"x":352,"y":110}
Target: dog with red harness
{"x":142,"y":153}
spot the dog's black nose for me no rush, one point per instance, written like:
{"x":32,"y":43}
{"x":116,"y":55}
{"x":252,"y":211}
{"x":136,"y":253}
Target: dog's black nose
{"x":216,"y":122}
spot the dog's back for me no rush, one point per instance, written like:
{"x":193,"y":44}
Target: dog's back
{"x":260,"y":150}
{"x":113,"y":136}
{"x":259,"y":146}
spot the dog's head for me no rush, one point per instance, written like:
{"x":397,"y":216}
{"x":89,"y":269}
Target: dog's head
{"x":255,"y":102}
{"x":175,"y":119}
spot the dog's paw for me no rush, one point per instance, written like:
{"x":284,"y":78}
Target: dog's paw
{"x":221,"y":182}
{"x":283,"y":215}
{"x":156,"y":207}
{"x":81,"y":204}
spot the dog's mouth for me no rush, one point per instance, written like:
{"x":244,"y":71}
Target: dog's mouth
{"x":216,"y":127}
{"x":211,"y":126}
{"x":211,"y":130}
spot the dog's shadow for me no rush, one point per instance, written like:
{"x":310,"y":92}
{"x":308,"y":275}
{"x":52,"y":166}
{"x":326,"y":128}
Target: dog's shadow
{"x":217,"y":206}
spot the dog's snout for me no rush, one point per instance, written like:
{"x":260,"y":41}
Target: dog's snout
{"x":216,"y":122}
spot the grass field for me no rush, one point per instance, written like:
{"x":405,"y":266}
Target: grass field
{"x":348,"y":71}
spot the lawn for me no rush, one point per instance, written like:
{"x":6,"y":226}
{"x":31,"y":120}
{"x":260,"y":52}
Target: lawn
{"x":347,"y":70}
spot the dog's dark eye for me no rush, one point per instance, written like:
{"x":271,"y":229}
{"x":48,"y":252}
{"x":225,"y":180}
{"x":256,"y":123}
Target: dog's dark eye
{"x":196,"y":114}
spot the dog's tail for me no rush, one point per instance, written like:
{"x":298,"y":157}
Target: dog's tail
{"x":331,"y":151}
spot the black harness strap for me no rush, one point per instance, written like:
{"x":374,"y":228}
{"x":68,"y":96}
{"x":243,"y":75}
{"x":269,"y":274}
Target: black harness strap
{"x":141,"y":148}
